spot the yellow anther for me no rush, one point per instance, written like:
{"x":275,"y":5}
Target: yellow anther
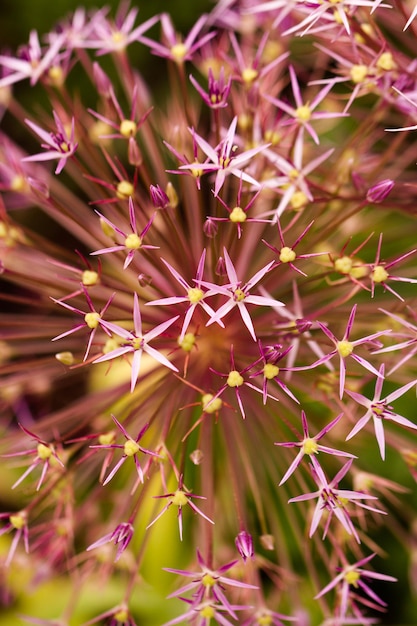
{"x":272,"y":136}
{"x":207,"y":612}
{"x":234,"y":379}
{"x":128,"y":128}
{"x":271,"y":371}
{"x":133,"y":242}
{"x":224,"y":161}
{"x":344,"y":348}
{"x":303,"y":113}
{"x":287,"y":255}
{"x":131,"y":448}
{"x":386,"y":62}
{"x":264,"y":620}
{"x":298,"y":200}
{"x":239,"y":295}
{"x":378,"y":409}
{"x":18,"y":520}
{"x":124,"y":189}
{"x":195,"y":295}
{"x":237,"y":215}
{"x":208,"y":580}
{"x":178,"y":52}
{"x":92,"y":319}
{"x":44,"y":452}
{"x":310,"y":446}
{"x":179,"y":498}
{"x":122,"y":615}
{"x":358,"y":73}
{"x":352,"y":577}
{"x":18,"y":183}
{"x":66,"y":358}
{"x":107,"y":439}
{"x":137,"y":343}
{"x":343,"y":265}
{"x":293,"y":174}
{"x":210,"y":405}
{"x":56,"y":75}
{"x":379,"y":274}
{"x":118,"y":37}
{"x":249,"y":74}
{"x":89,"y":278}
{"x":106,"y":228}
{"x":187,"y":342}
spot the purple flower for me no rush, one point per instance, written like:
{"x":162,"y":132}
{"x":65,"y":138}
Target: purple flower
{"x":121,"y":536}
{"x":63,"y":145}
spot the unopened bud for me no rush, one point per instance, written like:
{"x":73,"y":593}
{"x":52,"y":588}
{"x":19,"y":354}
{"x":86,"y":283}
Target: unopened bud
{"x":267,"y":541}
{"x":210,"y":228}
{"x":159,"y":197}
{"x":380,"y":191}
{"x":66,"y":358}
{"x":244,"y":545}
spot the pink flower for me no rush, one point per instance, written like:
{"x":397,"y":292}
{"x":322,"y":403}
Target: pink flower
{"x":63,"y":146}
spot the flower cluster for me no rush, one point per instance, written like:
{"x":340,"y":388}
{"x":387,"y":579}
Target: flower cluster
{"x":247,"y":286}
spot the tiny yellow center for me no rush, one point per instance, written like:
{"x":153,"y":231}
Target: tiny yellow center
{"x":298,"y":200}
{"x":207,"y":612}
{"x":128,"y":128}
{"x":239,"y":295}
{"x":44,"y":452}
{"x":56,"y":75}
{"x":343,"y":265}
{"x":344,"y":348}
{"x":89,"y":278}
{"x":210,"y":405}
{"x":92,"y":319}
{"x":378,"y":409}
{"x":124,"y":189}
{"x":106,"y":439}
{"x":358,"y":73}
{"x":195,"y":295}
{"x":303,"y":113}
{"x":234,"y":379}
{"x":208,"y":580}
{"x":237,"y":215}
{"x":18,"y":520}
{"x":66,"y":358}
{"x":18,"y":183}
{"x":133,"y":242}
{"x":117,"y":37}
{"x":131,"y":448}
{"x":287,"y":255}
{"x":249,"y":74}
{"x":122,"y":615}
{"x":264,"y":620}
{"x":310,"y":446}
{"x":352,"y":578}
{"x":379,"y":274}
{"x":271,"y":371}
{"x":178,"y":52}
{"x":197,"y":172}
{"x":179,"y":498}
{"x":187,"y":343}
{"x":386,"y":62}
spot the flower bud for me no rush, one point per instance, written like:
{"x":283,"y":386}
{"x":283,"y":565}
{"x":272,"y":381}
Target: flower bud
{"x":380,"y":191}
{"x":244,"y":545}
{"x":159,"y":197}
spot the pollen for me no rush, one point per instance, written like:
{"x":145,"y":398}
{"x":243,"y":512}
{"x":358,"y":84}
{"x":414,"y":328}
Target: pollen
{"x":18,"y":520}
{"x":352,"y":578}
{"x":271,"y":371}
{"x":249,"y":74}
{"x":92,"y":319}
{"x":207,"y":612}
{"x":303,"y":113}
{"x":128,"y":128}
{"x":133,"y":242}
{"x":187,"y":342}
{"x":195,"y":294}
{"x":298,"y":200}
{"x":208,"y":580}
{"x":224,"y":161}
{"x":179,"y":498}
{"x":343,"y":265}
{"x":196,"y":172}
{"x":238,"y":295}
{"x":344,"y":348}
{"x":137,"y":343}
{"x":131,"y":448}
{"x":210,"y":405}
{"x":358,"y":73}
{"x":386,"y":62}
{"x":310,"y":446}
{"x":124,"y":190}
{"x":44,"y":452}
{"x":89,"y":278}
{"x":234,"y":379}
{"x":237,"y":215}
{"x":379,"y":274}
{"x":178,"y":52}
{"x":287,"y":255}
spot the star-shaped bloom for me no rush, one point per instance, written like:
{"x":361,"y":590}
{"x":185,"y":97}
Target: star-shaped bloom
{"x":195,"y":295}
{"x":137,"y":343}
{"x":16,"y":522}
{"x":345,"y":348}
{"x":309,"y":446}
{"x":221,"y":159}
{"x":121,"y":536}
{"x":379,"y":410}
{"x":63,"y":146}
{"x":334,"y":500}
{"x":132,"y":242}
{"x":353,"y":576}
{"x":380,"y":271}
{"x":238,"y":294}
